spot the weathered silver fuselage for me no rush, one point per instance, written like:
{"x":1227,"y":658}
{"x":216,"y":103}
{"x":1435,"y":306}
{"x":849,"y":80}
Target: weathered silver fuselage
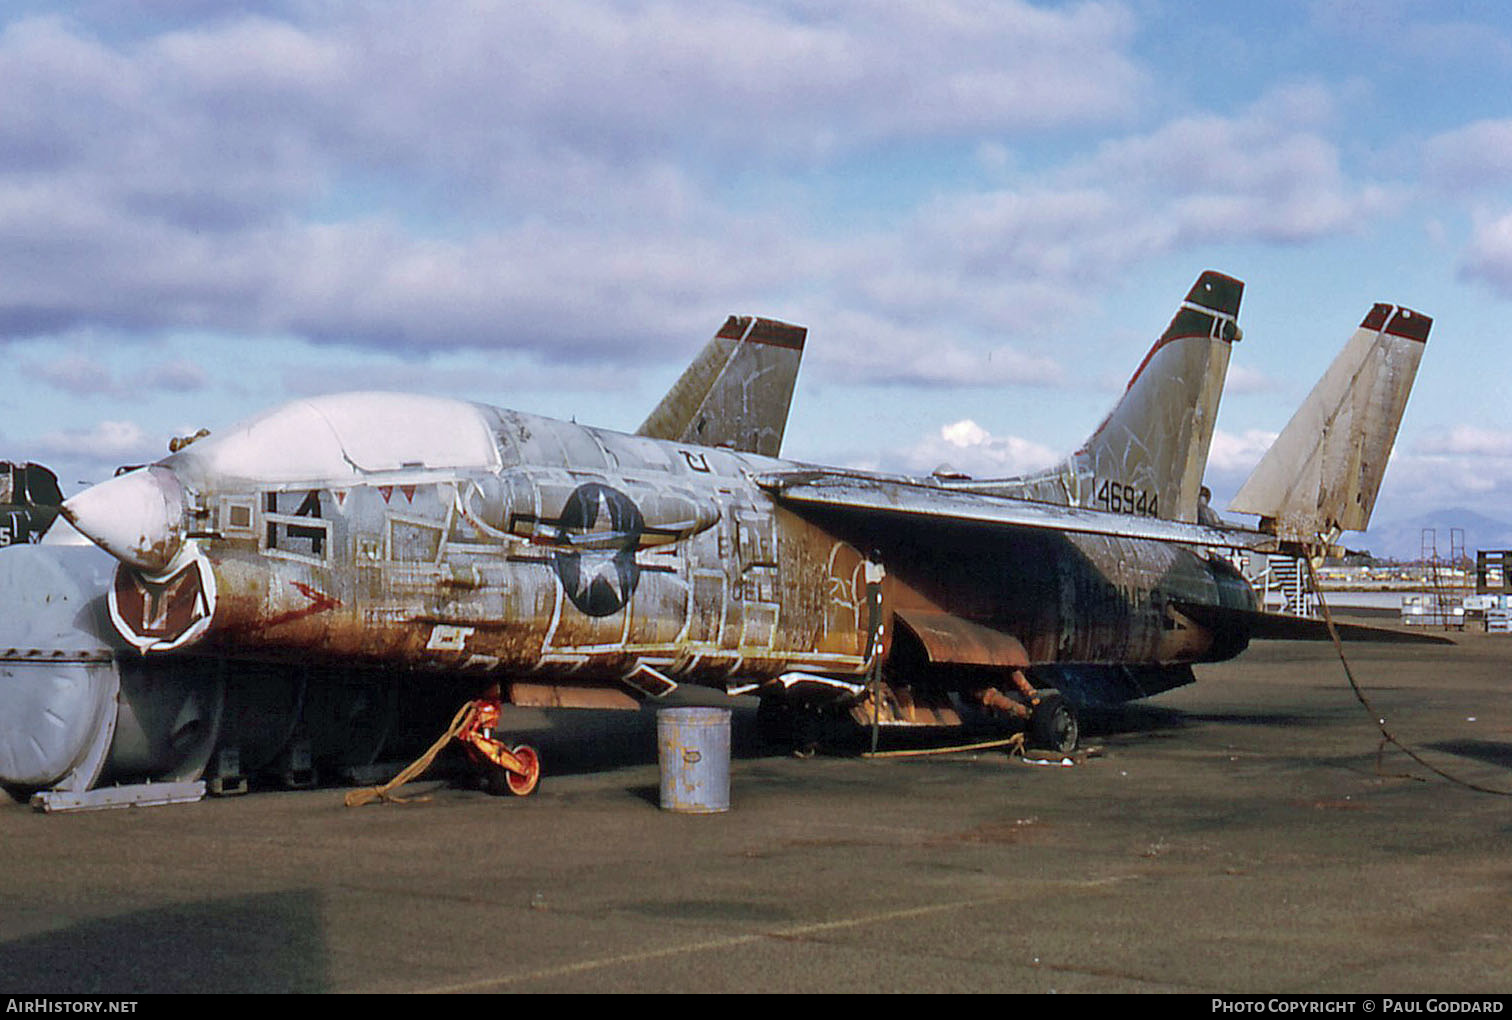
{"x":575,"y":552}
{"x":502,"y":542}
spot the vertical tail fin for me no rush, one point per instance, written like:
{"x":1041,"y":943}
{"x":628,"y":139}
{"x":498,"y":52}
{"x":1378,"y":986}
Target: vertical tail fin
{"x":737,"y":391}
{"x":1148,"y":455}
{"x":1321,"y":475}
{"x":1156,"y":439}
{"x":29,"y":502}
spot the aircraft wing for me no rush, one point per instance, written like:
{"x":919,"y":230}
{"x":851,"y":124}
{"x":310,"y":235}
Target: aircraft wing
{"x":873,"y":494}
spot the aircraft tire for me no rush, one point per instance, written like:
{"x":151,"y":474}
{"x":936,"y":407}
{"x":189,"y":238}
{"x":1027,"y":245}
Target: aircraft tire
{"x":500,"y":781}
{"x":1054,"y":725}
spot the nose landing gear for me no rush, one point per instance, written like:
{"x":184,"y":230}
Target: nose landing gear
{"x":515,"y":770}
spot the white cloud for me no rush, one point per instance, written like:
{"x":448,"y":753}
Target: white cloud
{"x":107,"y":440}
{"x":86,"y":373}
{"x":1028,"y":253}
{"x":554,"y":178}
{"x":76,"y":374}
{"x":1421,"y":482}
{"x":546,"y":174}
{"x":179,"y":376}
{"x":1268,"y":174}
{"x":1240,"y":452}
{"x":965,"y":433}
{"x":1488,"y":256}
{"x":862,"y":348}
{"x":1244,"y":379}
{"x":360,"y":87}
{"x":423,"y":377}
{"x":1466,"y":441}
{"x":967,"y":447}
{"x":1456,"y":465}
{"x":754,"y":81}
{"x":1473,"y":158}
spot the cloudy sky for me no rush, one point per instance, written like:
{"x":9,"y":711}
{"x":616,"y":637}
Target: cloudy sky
{"x":983,"y":211}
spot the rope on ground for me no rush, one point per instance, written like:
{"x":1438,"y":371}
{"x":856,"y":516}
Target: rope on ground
{"x":357,"y":798}
{"x":1013,"y":743}
{"x":1387,"y":737}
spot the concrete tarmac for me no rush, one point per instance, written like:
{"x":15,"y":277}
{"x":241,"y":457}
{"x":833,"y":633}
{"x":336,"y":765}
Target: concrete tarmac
{"x":1238,"y":835}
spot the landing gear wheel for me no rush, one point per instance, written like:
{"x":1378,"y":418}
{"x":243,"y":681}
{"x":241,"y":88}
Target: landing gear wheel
{"x":524,"y":786}
{"x":1054,"y":726}
{"x":499,"y":780}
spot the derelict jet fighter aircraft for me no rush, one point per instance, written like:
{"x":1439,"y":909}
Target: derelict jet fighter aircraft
{"x":575,"y":566}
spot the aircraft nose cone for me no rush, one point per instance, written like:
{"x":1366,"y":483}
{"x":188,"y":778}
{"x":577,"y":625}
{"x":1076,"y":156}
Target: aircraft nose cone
{"x":137,"y":517}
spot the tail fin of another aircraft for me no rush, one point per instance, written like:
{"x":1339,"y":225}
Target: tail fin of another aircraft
{"x":1148,"y":455}
{"x":736,"y":393}
{"x":1321,"y":475}
{"x":30,"y":501}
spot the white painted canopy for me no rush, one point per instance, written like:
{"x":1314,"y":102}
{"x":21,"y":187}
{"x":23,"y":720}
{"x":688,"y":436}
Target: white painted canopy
{"x":346,"y":436}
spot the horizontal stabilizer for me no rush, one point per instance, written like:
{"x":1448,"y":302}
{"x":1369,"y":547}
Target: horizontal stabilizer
{"x":737,"y":392}
{"x":1322,"y":474}
{"x":1281,"y":627}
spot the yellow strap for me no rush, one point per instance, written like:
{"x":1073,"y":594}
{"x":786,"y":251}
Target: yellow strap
{"x":1014,"y":743}
{"x":357,"y":798}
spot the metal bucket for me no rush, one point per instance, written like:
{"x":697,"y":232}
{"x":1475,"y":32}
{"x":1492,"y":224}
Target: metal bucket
{"x":693,"y":746}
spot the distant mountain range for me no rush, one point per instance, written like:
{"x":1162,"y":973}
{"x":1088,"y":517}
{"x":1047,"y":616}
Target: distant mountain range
{"x":1403,"y":540}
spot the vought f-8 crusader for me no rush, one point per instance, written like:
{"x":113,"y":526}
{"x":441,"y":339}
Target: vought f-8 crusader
{"x":283,"y":587}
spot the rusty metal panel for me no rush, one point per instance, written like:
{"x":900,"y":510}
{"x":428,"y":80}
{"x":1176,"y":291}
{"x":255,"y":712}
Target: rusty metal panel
{"x":570,"y":696}
{"x":906,"y":706}
{"x":949,"y":638}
